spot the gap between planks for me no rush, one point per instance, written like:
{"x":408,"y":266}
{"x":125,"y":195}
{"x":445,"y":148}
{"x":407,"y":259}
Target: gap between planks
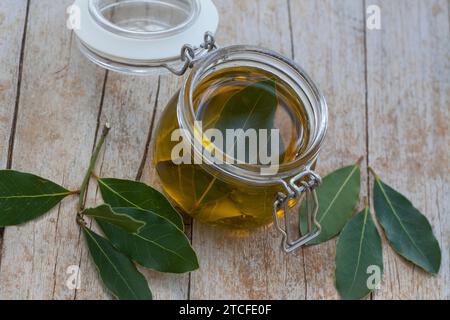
{"x":16,"y":108}
{"x":150,"y":133}
{"x":291,"y":36}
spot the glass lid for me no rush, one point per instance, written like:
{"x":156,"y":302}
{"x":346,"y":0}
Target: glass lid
{"x":145,"y":19}
{"x":139,"y":36}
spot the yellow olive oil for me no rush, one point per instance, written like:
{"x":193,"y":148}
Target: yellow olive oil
{"x":232,"y":98}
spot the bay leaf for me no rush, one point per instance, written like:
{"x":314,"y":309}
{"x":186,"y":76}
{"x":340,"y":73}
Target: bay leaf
{"x":217,"y":210}
{"x":159,"y":245}
{"x":252,"y":107}
{"x":338,"y":195}
{"x":197,"y":192}
{"x":406,"y":228}
{"x":192,"y":186}
{"x":117,"y":272}
{"x":358,"y":249}
{"x":24,"y":197}
{"x":126,"y":193}
{"x":105,"y":213}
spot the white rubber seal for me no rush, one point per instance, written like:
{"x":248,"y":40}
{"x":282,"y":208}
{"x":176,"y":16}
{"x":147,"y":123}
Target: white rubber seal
{"x":117,"y":47}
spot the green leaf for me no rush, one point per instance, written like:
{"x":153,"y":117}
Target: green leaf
{"x":199,"y":189}
{"x":407,"y":230}
{"x":338,"y":195}
{"x":118,"y":273}
{"x":159,"y":245}
{"x":253,"y":107}
{"x":124,"y":193}
{"x":24,"y":197}
{"x":358,"y":249}
{"x":105,"y":213}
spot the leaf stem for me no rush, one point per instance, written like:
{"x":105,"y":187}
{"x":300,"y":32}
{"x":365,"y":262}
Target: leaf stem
{"x":366,"y":202}
{"x":96,"y":176}
{"x":92,"y":163}
{"x":360,"y":160}
{"x":374,"y":173}
{"x":205,"y":193}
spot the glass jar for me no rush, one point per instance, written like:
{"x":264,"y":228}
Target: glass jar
{"x":144,"y":37}
{"x":237,"y":195}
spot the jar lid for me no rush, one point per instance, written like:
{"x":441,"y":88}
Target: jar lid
{"x":137,"y":36}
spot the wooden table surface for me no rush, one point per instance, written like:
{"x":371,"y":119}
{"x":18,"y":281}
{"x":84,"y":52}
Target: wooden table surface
{"x":388,"y":92}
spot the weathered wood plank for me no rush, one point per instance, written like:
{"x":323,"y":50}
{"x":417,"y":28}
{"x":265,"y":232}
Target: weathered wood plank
{"x":55,"y":131}
{"x":329,"y":43}
{"x":165,"y":286}
{"x":252,"y":266}
{"x":132,"y":105}
{"x":409,"y":136}
{"x":12,"y":26}
{"x":12,"y":23}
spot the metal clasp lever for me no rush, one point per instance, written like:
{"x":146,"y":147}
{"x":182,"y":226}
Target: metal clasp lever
{"x":301,"y":187}
{"x":188,"y":54}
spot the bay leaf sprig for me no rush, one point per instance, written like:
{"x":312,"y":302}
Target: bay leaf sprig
{"x":359,"y":250}
{"x":139,"y":224}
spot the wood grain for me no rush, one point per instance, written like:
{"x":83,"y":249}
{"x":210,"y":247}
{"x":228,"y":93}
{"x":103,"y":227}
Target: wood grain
{"x":409,"y":98}
{"x":12,"y":29}
{"x":328,"y":41}
{"x":12,"y":24}
{"x":55,"y":131}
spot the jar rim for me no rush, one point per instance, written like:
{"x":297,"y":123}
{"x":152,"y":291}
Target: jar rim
{"x":96,"y":13}
{"x":186,"y":113}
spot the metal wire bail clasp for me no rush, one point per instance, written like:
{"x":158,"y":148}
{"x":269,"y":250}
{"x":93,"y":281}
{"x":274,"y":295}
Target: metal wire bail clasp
{"x":301,"y":188}
{"x":189,"y":54}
